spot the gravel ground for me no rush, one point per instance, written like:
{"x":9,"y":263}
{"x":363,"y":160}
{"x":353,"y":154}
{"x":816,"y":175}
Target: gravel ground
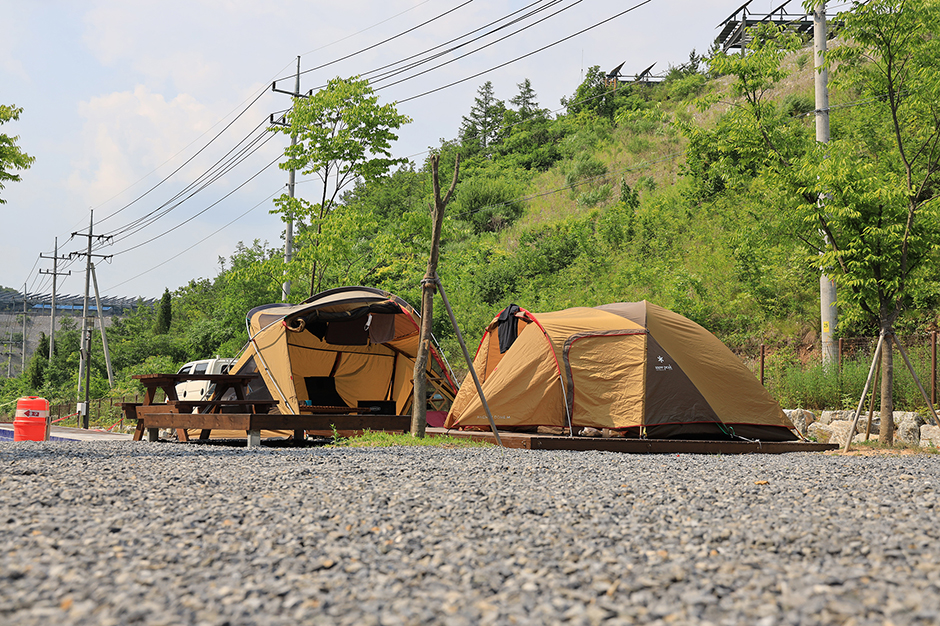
{"x":142,"y":533}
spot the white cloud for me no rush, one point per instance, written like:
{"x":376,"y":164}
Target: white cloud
{"x":10,"y":43}
{"x":127,"y":134}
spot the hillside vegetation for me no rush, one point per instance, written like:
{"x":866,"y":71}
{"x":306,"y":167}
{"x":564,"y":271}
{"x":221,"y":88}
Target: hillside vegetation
{"x":625,"y":194}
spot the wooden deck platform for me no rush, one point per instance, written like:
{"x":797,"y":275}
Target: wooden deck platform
{"x":533,"y":441}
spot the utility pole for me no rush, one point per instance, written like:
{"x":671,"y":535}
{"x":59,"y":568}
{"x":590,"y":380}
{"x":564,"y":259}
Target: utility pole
{"x":9,"y":343}
{"x":84,"y":365}
{"x":289,"y":233}
{"x":55,"y":273}
{"x":104,"y":335}
{"x":827,"y":287}
{"x":23,"y":364}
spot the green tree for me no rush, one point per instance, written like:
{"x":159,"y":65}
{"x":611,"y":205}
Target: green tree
{"x":596,"y":95}
{"x":343,"y":135}
{"x":11,"y":156}
{"x":480,"y":130}
{"x":490,"y":198}
{"x":753,"y":137}
{"x":132,"y":339}
{"x":881,"y":215}
{"x":524,"y":101}
{"x":251,"y":277}
{"x":36,"y":370}
{"x":530,"y":137}
{"x":164,"y":314}
{"x":879,"y":220}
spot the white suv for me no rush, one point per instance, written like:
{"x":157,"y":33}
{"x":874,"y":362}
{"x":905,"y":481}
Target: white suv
{"x":201,"y":389}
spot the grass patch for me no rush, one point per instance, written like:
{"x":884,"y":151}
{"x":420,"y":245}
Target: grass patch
{"x":370,"y":439}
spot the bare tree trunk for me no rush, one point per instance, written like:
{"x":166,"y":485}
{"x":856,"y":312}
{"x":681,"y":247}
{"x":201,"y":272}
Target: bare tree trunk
{"x":886,"y":429}
{"x":419,"y":407}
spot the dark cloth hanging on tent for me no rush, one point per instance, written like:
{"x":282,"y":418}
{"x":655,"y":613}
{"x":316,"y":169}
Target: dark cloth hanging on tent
{"x":507,"y":327}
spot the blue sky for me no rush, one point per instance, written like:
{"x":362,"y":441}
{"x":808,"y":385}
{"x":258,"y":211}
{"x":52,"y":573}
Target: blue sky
{"x":119,"y":93}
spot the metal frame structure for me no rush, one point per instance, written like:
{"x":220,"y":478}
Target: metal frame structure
{"x":733,"y":35}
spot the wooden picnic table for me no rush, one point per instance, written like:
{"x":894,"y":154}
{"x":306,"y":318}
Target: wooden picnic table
{"x":247,"y":415}
{"x":168,"y":382}
{"x":144,"y":412}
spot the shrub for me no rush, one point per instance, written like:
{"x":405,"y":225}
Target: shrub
{"x":687,"y":87}
{"x":594,"y":196}
{"x":488,"y":202}
{"x":585,"y":167}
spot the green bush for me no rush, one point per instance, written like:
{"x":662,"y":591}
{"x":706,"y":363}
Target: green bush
{"x":817,"y":387}
{"x":490,"y":202}
{"x":686,"y":87}
{"x":584,"y":167}
{"x":594,"y":196}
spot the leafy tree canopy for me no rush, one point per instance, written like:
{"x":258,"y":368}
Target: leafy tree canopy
{"x":340,"y":134}
{"x":11,"y":156}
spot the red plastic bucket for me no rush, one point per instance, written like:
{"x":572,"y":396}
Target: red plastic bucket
{"x":32,"y":419}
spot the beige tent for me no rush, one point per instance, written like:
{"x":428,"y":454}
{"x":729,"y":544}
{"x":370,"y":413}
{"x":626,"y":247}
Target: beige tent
{"x":349,"y":346}
{"x":633,"y":367}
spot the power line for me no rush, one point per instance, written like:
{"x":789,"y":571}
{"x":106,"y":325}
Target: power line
{"x":483,"y":47}
{"x":258,"y":173}
{"x":221,"y":167}
{"x":519,"y":58}
{"x":197,"y":243}
{"x":187,"y":161}
{"x":384,"y":41}
{"x":333,"y":43}
{"x":371,"y":73}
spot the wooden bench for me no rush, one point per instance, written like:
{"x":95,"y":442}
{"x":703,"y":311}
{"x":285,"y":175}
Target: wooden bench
{"x":216,"y":406}
{"x":254,"y":423}
{"x":130,"y":412}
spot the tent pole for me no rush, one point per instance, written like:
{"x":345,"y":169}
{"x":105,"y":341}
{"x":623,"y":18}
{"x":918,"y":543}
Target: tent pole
{"x":265,"y":366}
{"x":466,"y":355}
{"x":871,"y":373}
{"x":933,"y":412}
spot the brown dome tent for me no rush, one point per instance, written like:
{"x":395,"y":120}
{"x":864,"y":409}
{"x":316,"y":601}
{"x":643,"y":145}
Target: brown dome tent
{"x":633,"y":367}
{"x":341,"y":347}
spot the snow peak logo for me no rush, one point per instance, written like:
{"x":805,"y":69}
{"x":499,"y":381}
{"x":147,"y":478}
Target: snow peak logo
{"x":662,"y":366}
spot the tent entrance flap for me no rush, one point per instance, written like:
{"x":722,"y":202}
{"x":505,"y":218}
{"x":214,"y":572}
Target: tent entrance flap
{"x":321,"y":391}
{"x":605,"y":373}
{"x":670,"y":395}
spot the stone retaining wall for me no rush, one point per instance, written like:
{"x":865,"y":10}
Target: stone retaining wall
{"x":834,"y":426}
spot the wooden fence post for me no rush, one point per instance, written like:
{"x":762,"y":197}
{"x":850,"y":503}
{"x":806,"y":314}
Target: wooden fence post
{"x":933,"y":367}
{"x":762,"y":352}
